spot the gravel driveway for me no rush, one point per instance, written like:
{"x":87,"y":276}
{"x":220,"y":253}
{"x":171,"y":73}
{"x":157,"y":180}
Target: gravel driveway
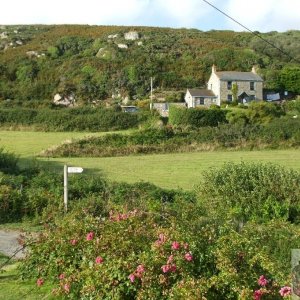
{"x":9,"y":243}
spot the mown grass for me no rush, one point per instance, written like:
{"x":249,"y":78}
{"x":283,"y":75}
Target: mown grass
{"x":176,"y":170}
{"x":31,"y":143}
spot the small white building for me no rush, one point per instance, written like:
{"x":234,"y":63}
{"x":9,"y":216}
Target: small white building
{"x":199,"y":97}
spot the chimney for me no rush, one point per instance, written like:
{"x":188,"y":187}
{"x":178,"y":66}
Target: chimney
{"x":253,"y":70}
{"x":213,"y":69}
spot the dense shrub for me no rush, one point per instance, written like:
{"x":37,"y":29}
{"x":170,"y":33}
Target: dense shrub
{"x":280,"y":133}
{"x":128,"y":253}
{"x":254,"y":192}
{"x":196,"y":117}
{"x":75,"y":119}
{"x":8,"y":162}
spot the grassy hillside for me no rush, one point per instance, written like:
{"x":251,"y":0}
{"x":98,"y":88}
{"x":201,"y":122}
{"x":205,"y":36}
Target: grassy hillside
{"x":95,"y":62}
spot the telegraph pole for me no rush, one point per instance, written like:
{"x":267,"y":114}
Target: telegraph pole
{"x":151,"y":95}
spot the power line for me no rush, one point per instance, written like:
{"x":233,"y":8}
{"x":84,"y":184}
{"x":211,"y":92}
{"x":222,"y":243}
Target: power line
{"x":254,"y":33}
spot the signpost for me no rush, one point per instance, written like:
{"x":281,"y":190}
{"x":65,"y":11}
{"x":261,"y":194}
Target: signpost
{"x":66,"y":171}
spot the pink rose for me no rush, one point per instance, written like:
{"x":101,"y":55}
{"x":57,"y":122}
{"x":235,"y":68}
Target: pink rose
{"x":73,"y":242}
{"x":67,"y":288}
{"x":262,"y":281}
{"x":169,"y":268}
{"x":257,"y":294}
{"x":166,"y":268}
{"x":188,"y":256}
{"x":99,"y":260}
{"x":170,"y":259}
{"x":61,"y":276}
{"x":131,"y":277}
{"x":90,"y":236}
{"x":140,"y":269}
{"x":285,"y":291}
{"x":175,"y":246}
{"x":162,"y":238}
{"x":40,"y":282}
{"x":173,"y":268}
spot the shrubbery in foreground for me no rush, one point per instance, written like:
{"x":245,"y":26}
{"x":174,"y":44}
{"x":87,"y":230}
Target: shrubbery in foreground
{"x":138,"y":247}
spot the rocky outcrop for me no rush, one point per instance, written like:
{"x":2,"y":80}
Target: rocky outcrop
{"x":3,"y":35}
{"x":68,"y":100}
{"x":113,"y":36}
{"x":122,"y":46}
{"x":131,"y":35}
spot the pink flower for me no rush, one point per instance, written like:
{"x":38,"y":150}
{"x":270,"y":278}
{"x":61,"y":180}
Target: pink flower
{"x":285,"y":291}
{"x":169,"y":268}
{"x":257,"y":294}
{"x":140,"y":269}
{"x":162,"y":238}
{"x":61,"y":276}
{"x":188,"y":256}
{"x":175,"y":246}
{"x":40,"y":282}
{"x":90,"y":236}
{"x":170,"y":259}
{"x":262,"y":281}
{"x":67,"y":287}
{"x":99,"y":260}
{"x":131,"y":277}
{"x":166,"y":268}
{"x":73,"y":242}
{"x":173,"y":268}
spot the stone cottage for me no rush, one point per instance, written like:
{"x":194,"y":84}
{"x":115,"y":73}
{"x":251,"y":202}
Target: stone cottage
{"x":248,"y":85}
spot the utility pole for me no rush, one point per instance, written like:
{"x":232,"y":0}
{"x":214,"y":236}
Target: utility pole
{"x":151,"y":95}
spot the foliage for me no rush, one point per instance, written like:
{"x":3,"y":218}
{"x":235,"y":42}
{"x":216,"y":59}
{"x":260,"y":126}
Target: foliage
{"x":8,"y":162}
{"x":279,"y":133}
{"x":75,"y":119}
{"x":196,"y":117}
{"x":181,"y":60}
{"x":149,"y":249}
{"x":256,"y":192}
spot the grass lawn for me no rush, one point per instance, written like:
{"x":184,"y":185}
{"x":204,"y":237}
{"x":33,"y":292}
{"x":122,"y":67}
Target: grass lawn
{"x":13,"y":288}
{"x":180,"y":170}
{"x":31,"y":143}
{"x":176,"y":170}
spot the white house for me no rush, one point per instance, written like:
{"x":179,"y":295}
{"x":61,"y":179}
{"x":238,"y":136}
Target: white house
{"x":248,"y":85}
{"x":199,"y":97}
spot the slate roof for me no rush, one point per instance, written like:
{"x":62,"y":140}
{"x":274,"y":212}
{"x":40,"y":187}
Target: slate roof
{"x":201,"y":93}
{"x":238,"y":76}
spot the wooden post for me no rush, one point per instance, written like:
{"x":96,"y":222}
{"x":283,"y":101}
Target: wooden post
{"x":65,"y":188}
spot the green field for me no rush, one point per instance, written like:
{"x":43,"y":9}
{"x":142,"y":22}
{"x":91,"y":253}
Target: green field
{"x":181,"y":170}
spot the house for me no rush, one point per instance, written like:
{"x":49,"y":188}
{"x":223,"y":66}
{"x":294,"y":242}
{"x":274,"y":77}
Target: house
{"x":199,"y":97}
{"x":226,"y":85}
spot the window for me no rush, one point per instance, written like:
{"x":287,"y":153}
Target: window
{"x":251,"y":86}
{"x":229,"y":85}
{"x":201,"y":100}
{"x":229,"y":97}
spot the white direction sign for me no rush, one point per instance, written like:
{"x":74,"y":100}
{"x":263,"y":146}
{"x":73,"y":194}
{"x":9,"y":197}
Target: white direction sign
{"x":75,"y":170}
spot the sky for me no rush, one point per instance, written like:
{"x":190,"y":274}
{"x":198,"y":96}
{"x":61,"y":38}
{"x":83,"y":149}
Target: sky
{"x":257,"y":15}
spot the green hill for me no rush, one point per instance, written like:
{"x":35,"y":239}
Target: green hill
{"x":96,"y":62}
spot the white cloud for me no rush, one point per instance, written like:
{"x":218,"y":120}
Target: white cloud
{"x":265,"y":15}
